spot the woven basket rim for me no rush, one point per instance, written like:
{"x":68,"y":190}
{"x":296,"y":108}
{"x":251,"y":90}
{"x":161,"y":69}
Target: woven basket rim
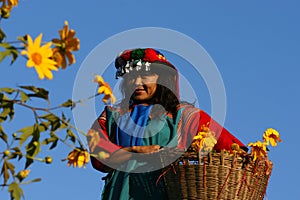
{"x":218,"y":175}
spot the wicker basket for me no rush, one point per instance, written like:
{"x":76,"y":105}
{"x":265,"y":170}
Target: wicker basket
{"x":217,"y":176}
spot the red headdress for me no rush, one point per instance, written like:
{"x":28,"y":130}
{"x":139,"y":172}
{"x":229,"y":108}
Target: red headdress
{"x":145,"y":59}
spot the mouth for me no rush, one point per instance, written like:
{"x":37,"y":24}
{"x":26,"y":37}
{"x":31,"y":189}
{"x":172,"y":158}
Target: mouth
{"x":139,"y":90}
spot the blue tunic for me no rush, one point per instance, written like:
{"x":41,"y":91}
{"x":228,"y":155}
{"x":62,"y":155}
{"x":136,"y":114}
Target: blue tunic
{"x":137,"y":129}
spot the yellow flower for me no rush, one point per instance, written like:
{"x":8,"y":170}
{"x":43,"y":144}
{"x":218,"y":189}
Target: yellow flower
{"x":258,"y":150}
{"x":205,"y":139}
{"x":78,"y":158}
{"x":271,"y":136}
{"x":65,"y":45}
{"x":39,"y":57}
{"x":105,"y":89}
{"x":198,"y":141}
{"x":209,"y":142}
{"x":9,"y":3}
{"x":235,"y":147}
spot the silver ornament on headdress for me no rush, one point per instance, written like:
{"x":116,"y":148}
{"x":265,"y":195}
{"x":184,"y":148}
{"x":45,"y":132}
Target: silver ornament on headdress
{"x":138,"y":65}
{"x":127,"y":67}
{"x":147,"y":66}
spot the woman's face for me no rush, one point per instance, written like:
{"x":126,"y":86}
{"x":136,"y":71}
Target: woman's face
{"x":144,"y":86}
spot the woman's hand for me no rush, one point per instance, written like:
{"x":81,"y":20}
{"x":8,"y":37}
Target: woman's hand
{"x":127,"y":153}
{"x":93,"y":139}
{"x":145,"y":149}
{"x":122,"y":155}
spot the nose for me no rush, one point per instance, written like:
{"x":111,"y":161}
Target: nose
{"x":138,"y":81}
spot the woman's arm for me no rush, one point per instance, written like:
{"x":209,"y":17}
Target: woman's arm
{"x":106,"y":154}
{"x":194,"y":119}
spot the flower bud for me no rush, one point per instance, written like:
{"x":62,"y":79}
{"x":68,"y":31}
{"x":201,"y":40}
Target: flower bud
{"x":6,"y":152}
{"x":23,"y":174}
{"x":48,"y":160}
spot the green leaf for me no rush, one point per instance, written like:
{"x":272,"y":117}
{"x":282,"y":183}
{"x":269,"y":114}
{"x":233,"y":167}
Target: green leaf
{"x":17,"y":153}
{"x":15,"y":191}
{"x":3,"y":135}
{"x":8,"y":110}
{"x":4,"y":100}
{"x":5,"y":45}
{"x":11,"y":168}
{"x":4,"y":171}
{"x":53,"y":139}
{"x":50,"y":117}
{"x":4,"y":113}
{"x":69,"y":103}
{"x":33,"y":147}
{"x":53,"y":119}
{"x":10,"y":51}
{"x":64,"y":123}
{"x":26,"y":132}
{"x":2,"y":35}
{"x":1,"y":97}
{"x":14,"y":54}
{"x":34,"y":180}
{"x":4,"y":54}
{"x":43,"y":126}
{"x":6,"y":104}
{"x":24,"y":96}
{"x":38,"y":92}
{"x":71,"y":135}
{"x":23,"y":39}
{"x":54,"y":144}
{"x":7,"y":90}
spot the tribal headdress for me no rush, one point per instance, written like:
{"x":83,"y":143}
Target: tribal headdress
{"x":139,"y":59}
{"x":144,"y":60}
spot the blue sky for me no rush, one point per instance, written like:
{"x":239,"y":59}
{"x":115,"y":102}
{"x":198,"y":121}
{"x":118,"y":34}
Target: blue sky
{"x":254,"y":44}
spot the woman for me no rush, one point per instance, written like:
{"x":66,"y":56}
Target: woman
{"x":129,"y":137}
